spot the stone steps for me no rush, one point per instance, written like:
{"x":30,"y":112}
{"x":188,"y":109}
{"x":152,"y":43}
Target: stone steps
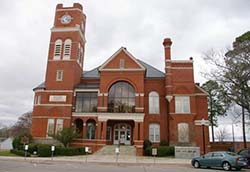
{"x":110,"y":150}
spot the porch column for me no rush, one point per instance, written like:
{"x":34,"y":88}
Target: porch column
{"x":135,"y":132}
{"x":98,"y":129}
{"x":104,"y":130}
{"x":141,"y":131}
{"x":84,"y":130}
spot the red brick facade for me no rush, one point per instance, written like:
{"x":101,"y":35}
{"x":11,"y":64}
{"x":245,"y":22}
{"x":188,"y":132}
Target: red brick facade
{"x":146,"y":103}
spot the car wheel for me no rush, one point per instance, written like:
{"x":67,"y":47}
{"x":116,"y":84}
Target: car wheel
{"x":226,"y":166}
{"x":196,"y":164}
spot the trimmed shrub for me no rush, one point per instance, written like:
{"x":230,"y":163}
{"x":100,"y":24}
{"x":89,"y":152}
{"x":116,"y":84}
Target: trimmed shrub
{"x":44,"y":150}
{"x":62,"y":151}
{"x":162,"y":151}
{"x":146,"y":144}
{"x":19,"y":152}
{"x":163,"y":143}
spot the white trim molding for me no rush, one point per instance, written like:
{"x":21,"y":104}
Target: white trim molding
{"x":53,"y":117}
{"x":142,"y":68}
{"x":69,"y":29}
{"x":67,"y":105}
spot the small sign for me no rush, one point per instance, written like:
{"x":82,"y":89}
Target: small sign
{"x":53,"y":148}
{"x":26,"y":147}
{"x":154,"y":151}
{"x":117,"y":150}
{"x":57,"y":98}
{"x":86,"y":149}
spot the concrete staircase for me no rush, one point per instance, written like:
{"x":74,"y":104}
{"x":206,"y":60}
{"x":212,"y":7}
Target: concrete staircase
{"x":109,"y":150}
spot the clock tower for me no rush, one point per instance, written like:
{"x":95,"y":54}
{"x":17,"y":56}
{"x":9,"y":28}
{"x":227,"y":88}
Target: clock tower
{"x":66,"y":49}
{"x":54,"y":98}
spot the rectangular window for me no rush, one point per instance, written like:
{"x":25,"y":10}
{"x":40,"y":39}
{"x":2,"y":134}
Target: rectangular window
{"x":122,"y":63}
{"x":59,"y":75}
{"x":38,"y":100}
{"x":154,"y":132}
{"x":86,"y":102}
{"x":182,"y":104}
{"x":59,"y":125}
{"x":50,"y":127}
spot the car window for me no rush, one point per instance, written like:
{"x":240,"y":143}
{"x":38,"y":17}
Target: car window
{"x":208,"y":155}
{"x":217,"y":155}
{"x":232,"y":154}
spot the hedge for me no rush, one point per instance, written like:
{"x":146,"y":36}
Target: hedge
{"x":19,"y":152}
{"x":62,"y":151}
{"x":162,"y":151}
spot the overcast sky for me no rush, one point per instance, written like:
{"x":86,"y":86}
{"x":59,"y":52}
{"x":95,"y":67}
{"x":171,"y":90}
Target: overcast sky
{"x":194,"y":26}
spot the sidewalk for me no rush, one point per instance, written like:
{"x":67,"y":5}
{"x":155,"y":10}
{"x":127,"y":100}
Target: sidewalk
{"x":132,"y":160}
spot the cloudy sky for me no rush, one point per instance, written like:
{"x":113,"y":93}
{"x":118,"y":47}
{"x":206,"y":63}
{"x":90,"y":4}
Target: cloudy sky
{"x":194,"y":26}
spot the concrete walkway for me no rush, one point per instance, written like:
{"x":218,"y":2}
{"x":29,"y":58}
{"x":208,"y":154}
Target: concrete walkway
{"x":108,"y":159}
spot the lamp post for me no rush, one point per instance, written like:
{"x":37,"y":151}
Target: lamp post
{"x":203,"y":123}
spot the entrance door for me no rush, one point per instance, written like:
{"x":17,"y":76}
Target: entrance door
{"x":122,"y":134}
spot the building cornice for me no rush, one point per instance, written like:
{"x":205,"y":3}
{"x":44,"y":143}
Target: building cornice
{"x":69,"y":29}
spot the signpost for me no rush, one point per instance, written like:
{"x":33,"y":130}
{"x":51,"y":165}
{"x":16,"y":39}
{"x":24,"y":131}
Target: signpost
{"x":86,"y":151}
{"x":154,"y":153}
{"x":52,"y":151}
{"x":26,"y":147}
{"x":117,"y":152}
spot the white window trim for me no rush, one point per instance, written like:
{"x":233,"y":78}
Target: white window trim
{"x":150,"y":106}
{"x":56,"y":54}
{"x":57,"y":130}
{"x":57,"y":75}
{"x":154,"y":132}
{"x":67,"y":49}
{"x":48,"y":122}
{"x":181,"y":100}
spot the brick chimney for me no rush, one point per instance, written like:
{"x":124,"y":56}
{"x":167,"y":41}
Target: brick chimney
{"x":168,"y":71}
{"x":167,"y":47}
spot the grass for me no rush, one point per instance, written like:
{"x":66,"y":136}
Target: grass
{"x":6,"y":153}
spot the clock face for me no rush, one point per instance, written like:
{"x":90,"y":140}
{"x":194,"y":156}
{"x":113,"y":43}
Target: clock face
{"x":66,"y":19}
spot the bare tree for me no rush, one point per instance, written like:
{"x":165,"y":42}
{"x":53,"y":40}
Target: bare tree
{"x":22,"y":125}
{"x":221,"y":134}
{"x":232,"y":72}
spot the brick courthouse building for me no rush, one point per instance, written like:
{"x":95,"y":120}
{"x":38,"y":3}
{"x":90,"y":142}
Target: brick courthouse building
{"x":122,"y":100}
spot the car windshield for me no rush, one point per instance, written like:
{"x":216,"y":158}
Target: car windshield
{"x":232,"y":154}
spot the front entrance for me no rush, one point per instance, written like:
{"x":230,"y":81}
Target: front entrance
{"x":122,"y":134}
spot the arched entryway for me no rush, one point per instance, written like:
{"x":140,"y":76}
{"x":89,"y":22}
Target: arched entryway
{"x":122,"y":134}
{"x":79,"y":126}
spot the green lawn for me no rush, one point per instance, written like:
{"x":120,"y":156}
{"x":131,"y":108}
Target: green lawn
{"x":6,"y":153}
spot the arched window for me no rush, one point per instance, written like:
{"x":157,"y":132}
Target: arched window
{"x":91,"y":130}
{"x":154,"y":132}
{"x":121,"y":98}
{"x":67,"y":49}
{"x":57,"y":50}
{"x":183,"y":133}
{"x":153,"y":101}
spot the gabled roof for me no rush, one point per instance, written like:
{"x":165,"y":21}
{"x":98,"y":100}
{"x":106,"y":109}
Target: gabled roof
{"x":151,"y":72}
{"x":102,"y":67}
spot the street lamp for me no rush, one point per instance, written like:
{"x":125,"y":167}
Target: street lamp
{"x":203,"y":123}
